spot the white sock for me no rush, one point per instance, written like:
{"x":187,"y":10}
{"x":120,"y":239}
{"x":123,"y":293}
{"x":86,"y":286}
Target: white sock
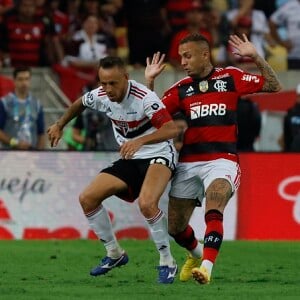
{"x":99,"y":221}
{"x":198,"y":251}
{"x":158,"y":228}
{"x":208,"y":265}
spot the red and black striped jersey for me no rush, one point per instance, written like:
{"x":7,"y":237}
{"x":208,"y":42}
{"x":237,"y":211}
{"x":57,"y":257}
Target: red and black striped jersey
{"x":25,"y":41}
{"x":210,"y":106}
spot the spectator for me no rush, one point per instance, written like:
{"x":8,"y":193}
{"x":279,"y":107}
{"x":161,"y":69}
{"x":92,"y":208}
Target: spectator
{"x":60,"y":20}
{"x":110,"y":10}
{"x":291,"y":129}
{"x":148,"y":28}
{"x":80,"y":65}
{"x":71,"y":9}
{"x":260,"y":32}
{"x":87,"y":45}
{"x":288,"y":16}
{"x":27,"y":39}
{"x":248,"y":123}
{"x":196,"y":17}
{"x":226,"y":54}
{"x":176,"y":11}
{"x":90,"y":7}
{"x":106,"y":26}
{"x":21,"y":116}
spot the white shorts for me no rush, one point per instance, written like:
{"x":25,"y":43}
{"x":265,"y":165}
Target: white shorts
{"x":192,"y":179}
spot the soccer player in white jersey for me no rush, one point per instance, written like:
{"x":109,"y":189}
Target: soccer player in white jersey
{"x":144,"y":130}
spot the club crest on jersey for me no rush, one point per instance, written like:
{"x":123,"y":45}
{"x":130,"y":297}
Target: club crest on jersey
{"x":123,"y":126}
{"x":220,"y":85}
{"x":89,"y":98}
{"x":203,"y":86}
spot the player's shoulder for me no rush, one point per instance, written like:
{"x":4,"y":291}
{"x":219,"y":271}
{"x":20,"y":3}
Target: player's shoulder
{"x":138,"y":90}
{"x":233,"y":70}
{"x":179,"y":83}
{"x":95,"y":95}
{"x":229,"y":71}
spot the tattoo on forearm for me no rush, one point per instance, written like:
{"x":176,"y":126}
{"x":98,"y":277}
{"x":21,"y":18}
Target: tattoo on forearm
{"x":272,"y":83}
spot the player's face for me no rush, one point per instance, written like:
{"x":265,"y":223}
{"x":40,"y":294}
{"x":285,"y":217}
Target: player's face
{"x":114,"y":82}
{"x":194,"y":58}
{"x":22,"y":82}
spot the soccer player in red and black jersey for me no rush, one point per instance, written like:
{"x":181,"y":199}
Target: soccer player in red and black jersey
{"x":208,"y":162}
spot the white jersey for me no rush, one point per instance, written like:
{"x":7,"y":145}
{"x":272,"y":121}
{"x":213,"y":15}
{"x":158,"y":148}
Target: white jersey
{"x":288,"y":15}
{"x":131,"y":118}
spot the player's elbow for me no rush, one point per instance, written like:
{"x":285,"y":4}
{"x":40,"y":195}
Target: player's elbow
{"x":278,"y":88}
{"x":273,"y":87}
{"x":171,"y":130}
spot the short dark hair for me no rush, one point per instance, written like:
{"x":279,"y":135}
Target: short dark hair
{"x":109,"y":62}
{"x":195,"y":37}
{"x":21,"y":69}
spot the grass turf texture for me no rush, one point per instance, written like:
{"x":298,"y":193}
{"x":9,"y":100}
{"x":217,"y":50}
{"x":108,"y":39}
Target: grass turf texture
{"x":60,"y":270}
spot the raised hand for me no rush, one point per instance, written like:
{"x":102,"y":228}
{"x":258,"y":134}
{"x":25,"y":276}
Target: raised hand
{"x":243,"y":47}
{"x":154,"y":66}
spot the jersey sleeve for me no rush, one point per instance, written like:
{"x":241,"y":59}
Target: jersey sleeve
{"x":246,"y":83}
{"x":155,"y":110}
{"x":171,"y":100}
{"x":94,"y":101}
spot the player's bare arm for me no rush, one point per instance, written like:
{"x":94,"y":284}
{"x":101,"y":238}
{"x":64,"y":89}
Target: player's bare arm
{"x":245,"y":48}
{"x":167,"y":131}
{"x":271,"y":83}
{"x":153,"y":68}
{"x":55,"y":131}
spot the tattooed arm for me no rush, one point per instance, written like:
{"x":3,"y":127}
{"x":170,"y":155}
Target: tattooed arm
{"x":245,"y":48}
{"x":271,"y":83}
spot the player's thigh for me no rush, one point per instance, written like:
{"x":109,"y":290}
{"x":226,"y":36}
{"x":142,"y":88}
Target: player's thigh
{"x":179,"y":213}
{"x":103,"y":186}
{"x":155,"y":182}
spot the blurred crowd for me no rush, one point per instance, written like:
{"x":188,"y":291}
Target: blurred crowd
{"x":78,"y":33}
{"x":71,"y":36}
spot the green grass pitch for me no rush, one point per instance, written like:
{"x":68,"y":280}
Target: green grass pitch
{"x":60,"y":270}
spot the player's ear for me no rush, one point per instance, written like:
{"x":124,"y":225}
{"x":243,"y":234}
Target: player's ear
{"x":206,"y":54}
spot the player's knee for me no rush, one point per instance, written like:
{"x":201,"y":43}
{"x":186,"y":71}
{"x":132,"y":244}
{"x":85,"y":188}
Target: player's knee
{"x":148,"y":205}
{"x":219,"y":191}
{"x":172,"y":229}
{"x":86,"y":202}
{"x":175,"y":227}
